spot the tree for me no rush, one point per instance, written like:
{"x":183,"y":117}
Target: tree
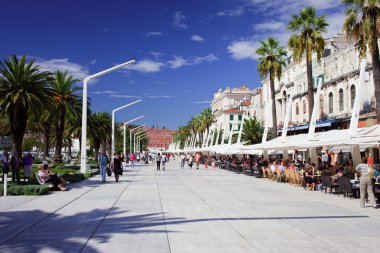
{"x":65,"y":97}
{"x":307,"y":40}
{"x":272,"y":60}
{"x":363,"y":24}
{"x":100,"y":127}
{"x":252,"y":131}
{"x":23,"y":87}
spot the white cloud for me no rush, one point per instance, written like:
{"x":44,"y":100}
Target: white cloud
{"x":147,"y":66}
{"x":162,"y":96}
{"x":207,"y":58}
{"x":243,"y":49}
{"x":177,"y":62}
{"x":93,"y":62}
{"x":104,"y":92}
{"x":156,"y":55}
{"x":231,"y":13}
{"x":154,"y":33}
{"x":53,"y":65}
{"x":123,"y":96}
{"x":178,"y":19}
{"x":202,"y":102}
{"x":197,"y":38}
{"x":269,"y":26}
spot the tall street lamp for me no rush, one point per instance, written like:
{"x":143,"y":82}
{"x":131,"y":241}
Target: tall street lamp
{"x":134,"y":139}
{"x":113,"y":124}
{"x":125,"y":128}
{"x":130,"y":136}
{"x":140,"y":138}
{"x":84,"y":111}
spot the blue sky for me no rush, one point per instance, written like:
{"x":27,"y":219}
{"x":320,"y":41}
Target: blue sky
{"x":185,"y":49}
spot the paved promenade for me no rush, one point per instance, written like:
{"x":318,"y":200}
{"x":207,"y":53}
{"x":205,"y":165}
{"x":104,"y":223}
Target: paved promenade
{"x":184,"y":211}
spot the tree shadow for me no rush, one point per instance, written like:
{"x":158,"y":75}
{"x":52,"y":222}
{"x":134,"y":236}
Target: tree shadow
{"x":35,"y":230}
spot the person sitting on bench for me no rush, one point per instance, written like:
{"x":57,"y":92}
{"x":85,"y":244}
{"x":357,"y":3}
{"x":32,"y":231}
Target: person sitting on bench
{"x":46,"y":176}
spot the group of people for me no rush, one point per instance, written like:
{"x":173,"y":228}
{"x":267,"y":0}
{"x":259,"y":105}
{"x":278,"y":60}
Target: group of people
{"x":47,"y":176}
{"x":161,"y":160}
{"x":310,"y":172}
{"x":14,"y":163}
{"x":199,"y":159}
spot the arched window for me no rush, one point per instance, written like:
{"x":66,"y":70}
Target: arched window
{"x":321,"y":103}
{"x":341,"y":105}
{"x":331,"y":103}
{"x":297,"y":109}
{"x":304,"y":106}
{"x":353,"y":95}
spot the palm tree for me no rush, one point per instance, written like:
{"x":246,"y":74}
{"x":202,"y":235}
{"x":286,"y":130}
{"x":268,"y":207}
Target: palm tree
{"x":307,"y":40}
{"x":252,"y":131}
{"x":207,"y":119}
{"x":363,"y":24}
{"x":64,"y":99}
{"x":272,"y":60}
{"x":100,"y":127}
{"x":23,"y":87}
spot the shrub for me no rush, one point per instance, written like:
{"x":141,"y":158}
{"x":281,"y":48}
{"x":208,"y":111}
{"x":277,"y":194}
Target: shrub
{"x":17,"y":190}
{"x":73,"y":178}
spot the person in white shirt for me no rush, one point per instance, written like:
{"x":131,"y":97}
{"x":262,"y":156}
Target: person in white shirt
{"x":182,"y":161}
{"x":366,"y":185}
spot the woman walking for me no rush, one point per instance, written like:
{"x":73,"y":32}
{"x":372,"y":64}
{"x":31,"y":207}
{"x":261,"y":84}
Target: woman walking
{"x":117,"y":166}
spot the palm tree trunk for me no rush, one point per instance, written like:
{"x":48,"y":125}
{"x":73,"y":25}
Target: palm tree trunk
{"x":376,"y":79}
{"x":274,"y":115}
{"x":310,"y":88}
{"x":59,"y":137}
{"x":46,"y":139}
{"x":18,"y":119}
{"x":97,"y":148}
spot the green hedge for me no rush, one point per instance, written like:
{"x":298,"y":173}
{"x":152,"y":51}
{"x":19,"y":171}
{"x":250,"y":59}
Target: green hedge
{"x":17,"y":190}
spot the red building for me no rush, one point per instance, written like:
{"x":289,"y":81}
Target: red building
{"x":159,"y":138}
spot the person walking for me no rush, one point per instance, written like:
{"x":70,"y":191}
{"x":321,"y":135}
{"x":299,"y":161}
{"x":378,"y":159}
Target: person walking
{"x":5,"y":164}
{"x":163,"y":161}
{"x":158,"y":161}
{"x":15,"y":164}
{"x":27,"y":162}
{"x":117,"y":166}
{"x":190,"y":161}
{"x":103,"y":162}
{"x":182,"y":161}
{"x":133,"y":158}
{"x":198,"y":157}
{"x":366,"y":184}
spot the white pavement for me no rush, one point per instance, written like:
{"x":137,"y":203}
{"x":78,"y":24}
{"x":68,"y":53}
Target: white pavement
{"x":183,"y":211}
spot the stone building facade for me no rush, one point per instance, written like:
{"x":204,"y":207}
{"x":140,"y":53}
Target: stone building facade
{"x":339,"y":71}
{"x":228,"y":106}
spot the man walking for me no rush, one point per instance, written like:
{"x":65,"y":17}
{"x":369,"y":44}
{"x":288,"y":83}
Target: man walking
{"x":133,"y":158}
{"x":158,"y":161}
{"x":15,"y":163}
{"x":182,"y":161}
{"x":103,"y":162}
{"x":366,"y":185}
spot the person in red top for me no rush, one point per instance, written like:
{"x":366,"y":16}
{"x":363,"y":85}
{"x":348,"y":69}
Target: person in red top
{"x":133,"y":158}
{"x":370,"y":161}
{"x":197,"y":160}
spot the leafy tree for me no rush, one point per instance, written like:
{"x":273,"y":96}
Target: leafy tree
{"x":307,"y":40}
{"x":272,"y":60}
{"x":363,"y":24}
{"x":252,"y":131}
{"x":23,"y":88}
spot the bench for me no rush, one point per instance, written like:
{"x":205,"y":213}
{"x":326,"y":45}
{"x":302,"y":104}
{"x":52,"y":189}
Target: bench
{"x":42,"y":183}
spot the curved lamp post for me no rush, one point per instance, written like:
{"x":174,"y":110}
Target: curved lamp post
{"x":84,"y":111}
{"x":134,"y":139}
{"x":130,"y":136}
{"x":113,"y":123}
{"x":140,"y":138}
{"x":125,"y":128}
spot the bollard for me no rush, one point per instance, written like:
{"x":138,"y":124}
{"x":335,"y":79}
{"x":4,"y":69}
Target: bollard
{"x":5,"y":184}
